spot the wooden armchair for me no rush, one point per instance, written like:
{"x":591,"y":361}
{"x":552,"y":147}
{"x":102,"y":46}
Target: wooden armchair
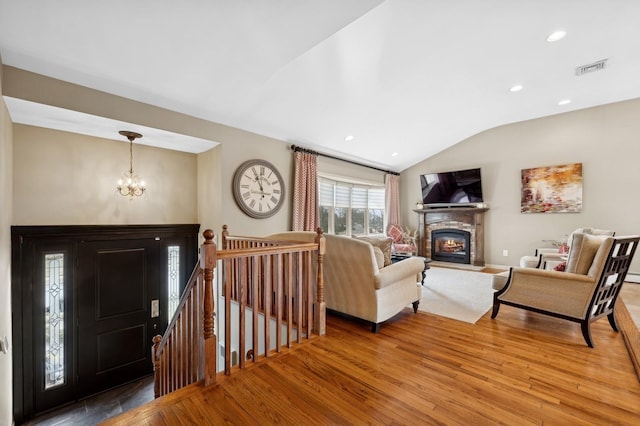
{"x":587,"y":291}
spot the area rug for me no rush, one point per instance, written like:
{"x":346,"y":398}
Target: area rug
{"x":457,"y":294}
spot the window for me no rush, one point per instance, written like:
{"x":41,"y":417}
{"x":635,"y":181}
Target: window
{"x":351,"y":208}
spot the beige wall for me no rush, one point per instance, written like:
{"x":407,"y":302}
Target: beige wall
{"x":606,"y":140}
{"x":243,"y":146}
{"x":6,"y":143}
{"x":213,"y":171}
{"x":209,"y":184}
{"x":64,"y":178}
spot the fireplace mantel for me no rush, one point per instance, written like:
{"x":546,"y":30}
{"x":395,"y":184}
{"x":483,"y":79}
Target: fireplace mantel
{"x":457,"y":217}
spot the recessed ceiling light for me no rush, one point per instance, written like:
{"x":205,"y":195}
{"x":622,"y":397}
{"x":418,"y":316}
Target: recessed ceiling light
{"x":349,"y":138}
{"x":395,"y":154}
{"x":564,"y":102}
{"x":516,"y":88}
{"x":556,"y":35}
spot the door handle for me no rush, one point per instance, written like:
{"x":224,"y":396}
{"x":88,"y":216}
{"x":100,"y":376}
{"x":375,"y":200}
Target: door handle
{"x":155,"y":308}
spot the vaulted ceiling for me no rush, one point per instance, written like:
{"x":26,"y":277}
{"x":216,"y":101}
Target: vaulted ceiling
{"x":404,"y":78}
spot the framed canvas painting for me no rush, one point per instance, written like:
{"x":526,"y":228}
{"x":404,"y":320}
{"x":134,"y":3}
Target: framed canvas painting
{"x":552,"y":189}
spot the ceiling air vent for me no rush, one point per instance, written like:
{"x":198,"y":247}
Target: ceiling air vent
{"x":596,"y":66}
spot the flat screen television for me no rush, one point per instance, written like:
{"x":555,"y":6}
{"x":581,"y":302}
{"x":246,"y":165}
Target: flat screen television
{"x":462,"y":187}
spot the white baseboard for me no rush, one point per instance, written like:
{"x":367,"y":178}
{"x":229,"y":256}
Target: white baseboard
{"x":492,"y":266}
{"x":632,"y":277}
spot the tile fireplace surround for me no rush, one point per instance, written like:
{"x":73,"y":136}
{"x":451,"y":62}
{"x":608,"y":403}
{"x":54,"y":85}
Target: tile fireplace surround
{"x":469,"y":219}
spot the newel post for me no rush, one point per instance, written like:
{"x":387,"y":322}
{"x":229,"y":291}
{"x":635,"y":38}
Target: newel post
{"x":208,"y":263}
{"x":321,"y":308}
{"x":156,"y":365}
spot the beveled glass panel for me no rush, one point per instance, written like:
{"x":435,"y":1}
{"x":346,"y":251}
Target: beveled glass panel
{"x":54,"y":320}
{"x":173,"y":279}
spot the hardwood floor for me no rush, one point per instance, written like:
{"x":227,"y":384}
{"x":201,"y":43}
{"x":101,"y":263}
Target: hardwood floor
{"x":98,"y":408}
{"x":521,"y":368}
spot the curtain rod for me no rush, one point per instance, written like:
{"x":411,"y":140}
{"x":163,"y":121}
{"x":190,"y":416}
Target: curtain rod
{"x":296,"y":148}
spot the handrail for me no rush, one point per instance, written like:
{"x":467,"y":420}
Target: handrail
{"x":175,"y":363}
{"x":274,"y":285}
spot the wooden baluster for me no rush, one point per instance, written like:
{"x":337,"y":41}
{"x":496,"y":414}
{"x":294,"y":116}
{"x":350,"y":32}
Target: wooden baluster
{"x":225,"y":237}
{"x":198,"y":295}
{"x":255,"y":279}
{"x":278,"y":305}
{"x":208,"y":264}
{"x":298,"y":299}
{"x":184,"y":353}
{"x":243,"y":285}
{"x":308,"y":291}
{"x":156,"y":365}
{"x":268,"y":289}
{"x":227,"y":319}
{"x":289,"y":297}
{"x":321,"y":306}
{"x":188,"y":342}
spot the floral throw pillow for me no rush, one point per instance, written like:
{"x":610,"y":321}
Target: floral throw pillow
{"x":560,"y":267}
{"x":384,"y":244}
{"x":395,"y":232}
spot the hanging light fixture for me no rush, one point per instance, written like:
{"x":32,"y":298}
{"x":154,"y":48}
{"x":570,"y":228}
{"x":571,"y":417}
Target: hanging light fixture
{"x":130,"y":184}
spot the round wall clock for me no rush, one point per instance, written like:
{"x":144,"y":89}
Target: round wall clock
{"x":258,"y":188}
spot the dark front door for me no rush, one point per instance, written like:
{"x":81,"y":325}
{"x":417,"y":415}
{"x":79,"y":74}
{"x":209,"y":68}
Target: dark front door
{"x":118,"y":281}
{"x":86,"y":302}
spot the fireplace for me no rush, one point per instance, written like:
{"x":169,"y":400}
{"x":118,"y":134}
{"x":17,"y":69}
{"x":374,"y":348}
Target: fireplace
{"x":451,"y":245}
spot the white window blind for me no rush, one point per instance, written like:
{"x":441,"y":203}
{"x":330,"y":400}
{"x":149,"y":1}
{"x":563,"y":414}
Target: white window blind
{"x":338,"y":197}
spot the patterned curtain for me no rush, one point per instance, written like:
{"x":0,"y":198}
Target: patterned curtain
{"x":392,"y":200}
{"x":305,"y":192}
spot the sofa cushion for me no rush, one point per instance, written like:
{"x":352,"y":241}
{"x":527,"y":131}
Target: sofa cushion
{"x":384,"y":244}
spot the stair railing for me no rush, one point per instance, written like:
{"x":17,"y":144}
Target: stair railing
{"x":275,"y":283}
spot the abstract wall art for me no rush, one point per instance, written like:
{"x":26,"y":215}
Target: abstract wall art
{"x":552,"y":189}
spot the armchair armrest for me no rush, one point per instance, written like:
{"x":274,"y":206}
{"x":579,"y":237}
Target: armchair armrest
{"x":546,"y":250}
{"x":398,"y":271}
{"x":562,"y":293}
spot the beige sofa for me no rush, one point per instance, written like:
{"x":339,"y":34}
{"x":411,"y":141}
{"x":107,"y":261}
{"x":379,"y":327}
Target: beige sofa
{"x":356,"y":286}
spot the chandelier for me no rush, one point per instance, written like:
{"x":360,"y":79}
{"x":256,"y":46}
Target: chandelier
{"x":130,"y":184}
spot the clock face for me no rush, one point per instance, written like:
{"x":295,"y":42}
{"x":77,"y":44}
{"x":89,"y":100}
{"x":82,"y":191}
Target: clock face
{"x":258,"y":188}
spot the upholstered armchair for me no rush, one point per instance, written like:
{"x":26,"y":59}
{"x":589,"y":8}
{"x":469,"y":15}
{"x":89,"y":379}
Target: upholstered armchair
{"x":552,"y":256}
{"x":401,"y":243}
{"x":586,"y":291}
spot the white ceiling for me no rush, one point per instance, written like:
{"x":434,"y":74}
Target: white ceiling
{"x":406,"y":76}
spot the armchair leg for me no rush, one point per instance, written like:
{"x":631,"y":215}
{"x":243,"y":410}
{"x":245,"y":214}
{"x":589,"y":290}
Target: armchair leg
{"x":375,"y":327}
{"x":612,"y":321}
{"x":415,"y":306}
{"x":496,"y":308}
{"x":586,"y":333}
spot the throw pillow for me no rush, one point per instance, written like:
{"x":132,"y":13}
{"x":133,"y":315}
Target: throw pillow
{"x":395,"y":232}
{"x":560,"y":267}
{"x":384,"y":244}
{"x":379,"y":257}
{"x":583,"y":250}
